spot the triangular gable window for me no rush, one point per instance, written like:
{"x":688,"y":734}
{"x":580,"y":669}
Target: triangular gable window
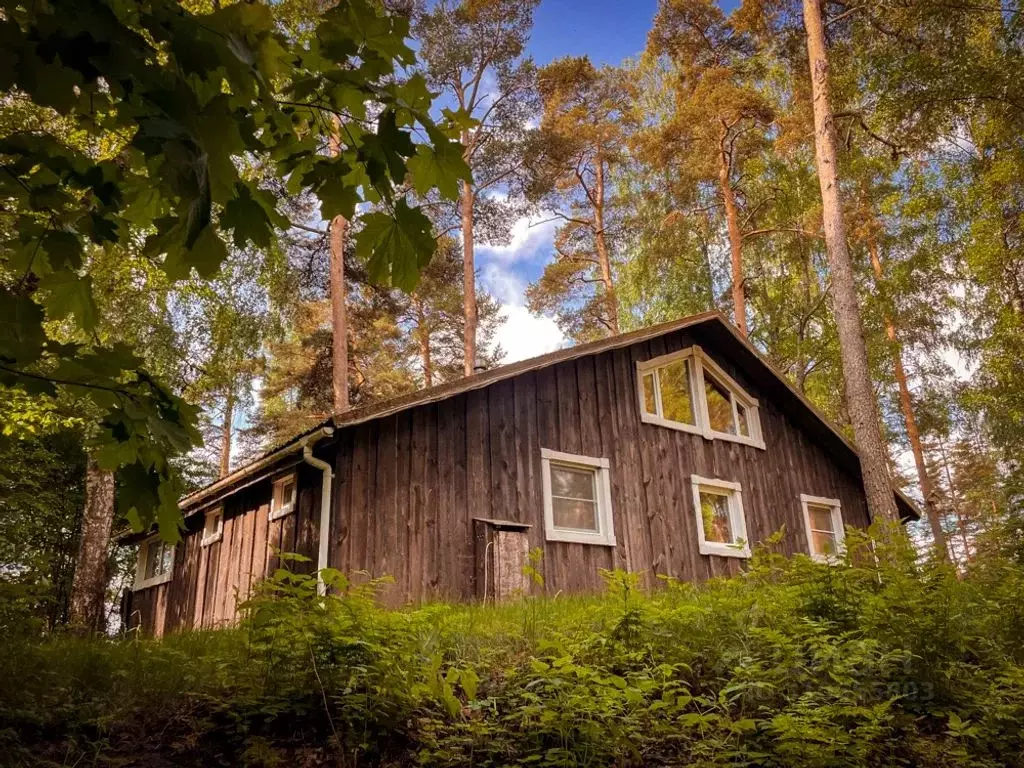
{"x":688,"y":391}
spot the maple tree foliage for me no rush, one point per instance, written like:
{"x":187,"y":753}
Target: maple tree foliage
{"x":168,"y":99}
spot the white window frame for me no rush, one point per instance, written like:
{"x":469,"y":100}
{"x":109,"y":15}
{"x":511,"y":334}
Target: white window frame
{"x":141,"y":582}
{"x":605,"y":534}
{"x":280,"y":507}
{"x":213,"y":534}
{"x":837,"y":526}
{"x":737,"y":519}
{"x":699,"y":361}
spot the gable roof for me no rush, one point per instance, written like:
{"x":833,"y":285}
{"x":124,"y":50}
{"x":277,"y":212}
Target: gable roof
{"x":712,"y":325}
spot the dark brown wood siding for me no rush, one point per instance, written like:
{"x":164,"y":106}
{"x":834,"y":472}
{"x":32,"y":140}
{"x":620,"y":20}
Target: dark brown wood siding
{"x":209,"y":583}
{"x":408,"y":486}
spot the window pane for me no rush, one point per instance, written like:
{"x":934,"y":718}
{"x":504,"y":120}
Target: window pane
{"x":744,"y":426}
{"x":574,"y":513}
{"x":714,"y":510}
{"x":649,"y":403}
{"x":287,"y":492}
{"x":676,"y":403}
{"x":823,"y":543}
{"x":166,"y":558}
{"x":152,"y":559}
{"x":719,"y":406}
{"x":572,"y":483}
{"x":821,"y":518}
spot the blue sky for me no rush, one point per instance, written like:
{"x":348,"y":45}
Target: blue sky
{"x":608,"y":32}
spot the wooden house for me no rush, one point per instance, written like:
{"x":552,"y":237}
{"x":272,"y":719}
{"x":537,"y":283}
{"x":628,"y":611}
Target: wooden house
{"x":671,"y":450}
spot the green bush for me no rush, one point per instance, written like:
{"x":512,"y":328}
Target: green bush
{"x":880,"y":660}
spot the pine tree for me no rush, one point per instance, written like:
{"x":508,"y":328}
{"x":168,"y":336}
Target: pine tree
{"x":579,"y":147}
{"x":720,"y":117}
{"x":860,"y":397}
{"x":473,"y":53}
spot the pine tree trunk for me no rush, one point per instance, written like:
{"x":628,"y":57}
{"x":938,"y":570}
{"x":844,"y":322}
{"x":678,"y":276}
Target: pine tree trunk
{"x":853,"y":350}
{"x":88,"y":589}
{"x":339,"y":296}
{"x":739,"y":298}
{"x":954,"y":500}
{"x":468,"y":279}
{"x":423,"y":337}
{"x":339,"y":316}
{"x":225,"y":432}
{"x":610,"y":298}
{"x":801,"y":338}
{"x":909,"y":419}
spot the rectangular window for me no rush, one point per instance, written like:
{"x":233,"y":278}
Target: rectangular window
{"x":155,"y":563}
{"x":650,"y":399}
{"x":213,"y":529}
{"x":721,"y":525}
{"x":577,"y":498}
{"x":824,"y":521}
{"x":282,"y":502}
{"x":688,"y":391}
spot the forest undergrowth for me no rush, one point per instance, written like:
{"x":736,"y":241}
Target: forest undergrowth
{"x":882,"y":659}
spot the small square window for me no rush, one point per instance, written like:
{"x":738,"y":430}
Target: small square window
{"x":714,"y":511}
{"x":155,"y":563}
{"x":577,"y":498}
{"x":213,"y":529}
{"x":574,"y":498}
{"x":283,"y":499}
{"x":721,"y":525}
{"x":824,"y":521}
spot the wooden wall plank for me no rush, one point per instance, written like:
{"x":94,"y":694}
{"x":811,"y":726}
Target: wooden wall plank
{"x":341,"y":517}
{"x":501,"y":409}
{"x":384,"y":503}
{"x":463,"y":509}
{"x":529,"y":498}
{"x":478,"y":454}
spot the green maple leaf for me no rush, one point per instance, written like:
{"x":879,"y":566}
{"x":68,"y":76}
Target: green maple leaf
{"x":395,"y":248}
{"x":440,"y":166}
{"x":337,"y":195}
{"x":21,"y":328}
{"x":68,"y":293}
{"x":63,"y":249}
{"x":248,"y":217}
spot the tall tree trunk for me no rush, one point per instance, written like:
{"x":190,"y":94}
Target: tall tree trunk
{"x":339,"y":310}
{"x":955,"y":502}
{"x":88,"y":589}
{"x":339,"y":316}
{"x":423,"y":337}
{"x":853,"y":350}
{"x":610,"y":298}
{"x":468,"y":279}
{"x":801,"y":353}
{"x":909,"y":419}
{"x":739,"y":297}
{"x":225,"y":432}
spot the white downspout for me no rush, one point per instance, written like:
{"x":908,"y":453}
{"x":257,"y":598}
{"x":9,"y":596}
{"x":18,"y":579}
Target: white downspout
{"x":325,"y":502}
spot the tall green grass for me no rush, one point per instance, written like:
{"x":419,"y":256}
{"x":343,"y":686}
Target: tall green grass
{"x":880,"y":660}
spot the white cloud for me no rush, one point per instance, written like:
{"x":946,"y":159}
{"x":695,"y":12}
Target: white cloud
{"x":504,"y":284}
{"x":505,"y":272}
{"x":523,"y":334}
{"x":528,"y":234}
